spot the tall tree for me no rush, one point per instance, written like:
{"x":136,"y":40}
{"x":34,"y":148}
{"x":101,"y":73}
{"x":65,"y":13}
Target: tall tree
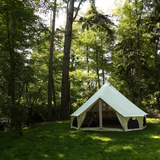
{"x":153,"y":23}
{"x":98,"y":22}
{"x":21,"y":28}
{"x":129,"y":49}
{"x":133,"y":61}
{"x":50,"y":78}
{"x":138,"y":22}
{"x":66,"y":58}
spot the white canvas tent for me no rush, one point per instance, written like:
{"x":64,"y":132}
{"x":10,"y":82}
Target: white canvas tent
{"x":108,"y":110}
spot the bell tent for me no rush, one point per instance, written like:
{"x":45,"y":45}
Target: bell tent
{"x":108,"y":110}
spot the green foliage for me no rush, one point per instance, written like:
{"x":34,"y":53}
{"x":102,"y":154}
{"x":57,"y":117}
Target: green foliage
{"x":37,"y":91}
{"x":21,"y":29}
{"x":131,"y":61}
{"x":89,"y":64}
{"x":134,"y":56}
{"x":95,"y":20}
{"x":16,"y":114}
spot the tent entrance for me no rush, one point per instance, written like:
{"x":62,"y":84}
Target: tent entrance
{"x":109,"y":117}
{"x":92,"y":117}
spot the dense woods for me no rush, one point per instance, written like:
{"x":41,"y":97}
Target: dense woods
{"x":47,"y":73}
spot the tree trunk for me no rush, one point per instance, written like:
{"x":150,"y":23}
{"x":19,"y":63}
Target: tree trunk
{"x":138,"y":60}
{"x":27,"y":91}
{"x":97,"y":66}
{"x":131,"y":84}
{"x":54,"y":100}
{"x":158,"y":104}
{"x":66,"y":59}
{"x":103,"y":73}
{"x":87,"y":62}
{"x":50,"y":77}
{"x":11,"y":31}
{"x":139,"y":80}
{"x":11,"y":90}
{"x":131,"y":75}
{"x":97,"y":70}
{"x":156,"y":83}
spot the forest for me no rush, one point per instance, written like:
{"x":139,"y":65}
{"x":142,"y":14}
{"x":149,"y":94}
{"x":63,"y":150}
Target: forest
{"x":46,"y":73}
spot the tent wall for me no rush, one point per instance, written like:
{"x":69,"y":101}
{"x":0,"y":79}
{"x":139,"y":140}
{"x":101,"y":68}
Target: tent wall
{"x":140,"y":121}
{"x":125,"y":120}
{"x":76,"y":122}
{"x":100,"y":116}
{"x":81,"y":119}
{"x":144,"y":121}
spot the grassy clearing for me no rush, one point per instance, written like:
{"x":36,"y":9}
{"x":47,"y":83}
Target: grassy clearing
{"x":56,"y":141}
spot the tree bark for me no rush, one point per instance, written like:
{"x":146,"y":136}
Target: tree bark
{"x":97,"y":70}
{"x":156,"y":83}
{"x":54,"y":100}
{"x":50,"y":77}
{"x":66,"y":59}
{"x":131,"y":83}
{"x":138,"y":60}
{"x":97,"y":65}
{"x":87,"y":62}
{"x":11,"y":90}
{"x":103,"y":74}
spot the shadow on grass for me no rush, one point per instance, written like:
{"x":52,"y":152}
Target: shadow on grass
{"x":57,"y":141}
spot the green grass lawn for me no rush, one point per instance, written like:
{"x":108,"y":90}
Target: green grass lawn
{"x":56,"y":141}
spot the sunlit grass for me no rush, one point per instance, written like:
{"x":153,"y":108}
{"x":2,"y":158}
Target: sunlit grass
{"x":60,"y":155}
{"x":45,"y":156}
{"x":56,"y":140}
{"x":103,"y":139}
{"x":155,"y":137}
{"x":153,"y":120}
{"x":127,"y":147}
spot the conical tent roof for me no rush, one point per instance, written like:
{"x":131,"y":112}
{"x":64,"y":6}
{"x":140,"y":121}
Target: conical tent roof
{"x":113,"y":98}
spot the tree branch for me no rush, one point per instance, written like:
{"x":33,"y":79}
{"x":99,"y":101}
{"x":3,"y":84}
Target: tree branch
{"x":77,"y":10}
